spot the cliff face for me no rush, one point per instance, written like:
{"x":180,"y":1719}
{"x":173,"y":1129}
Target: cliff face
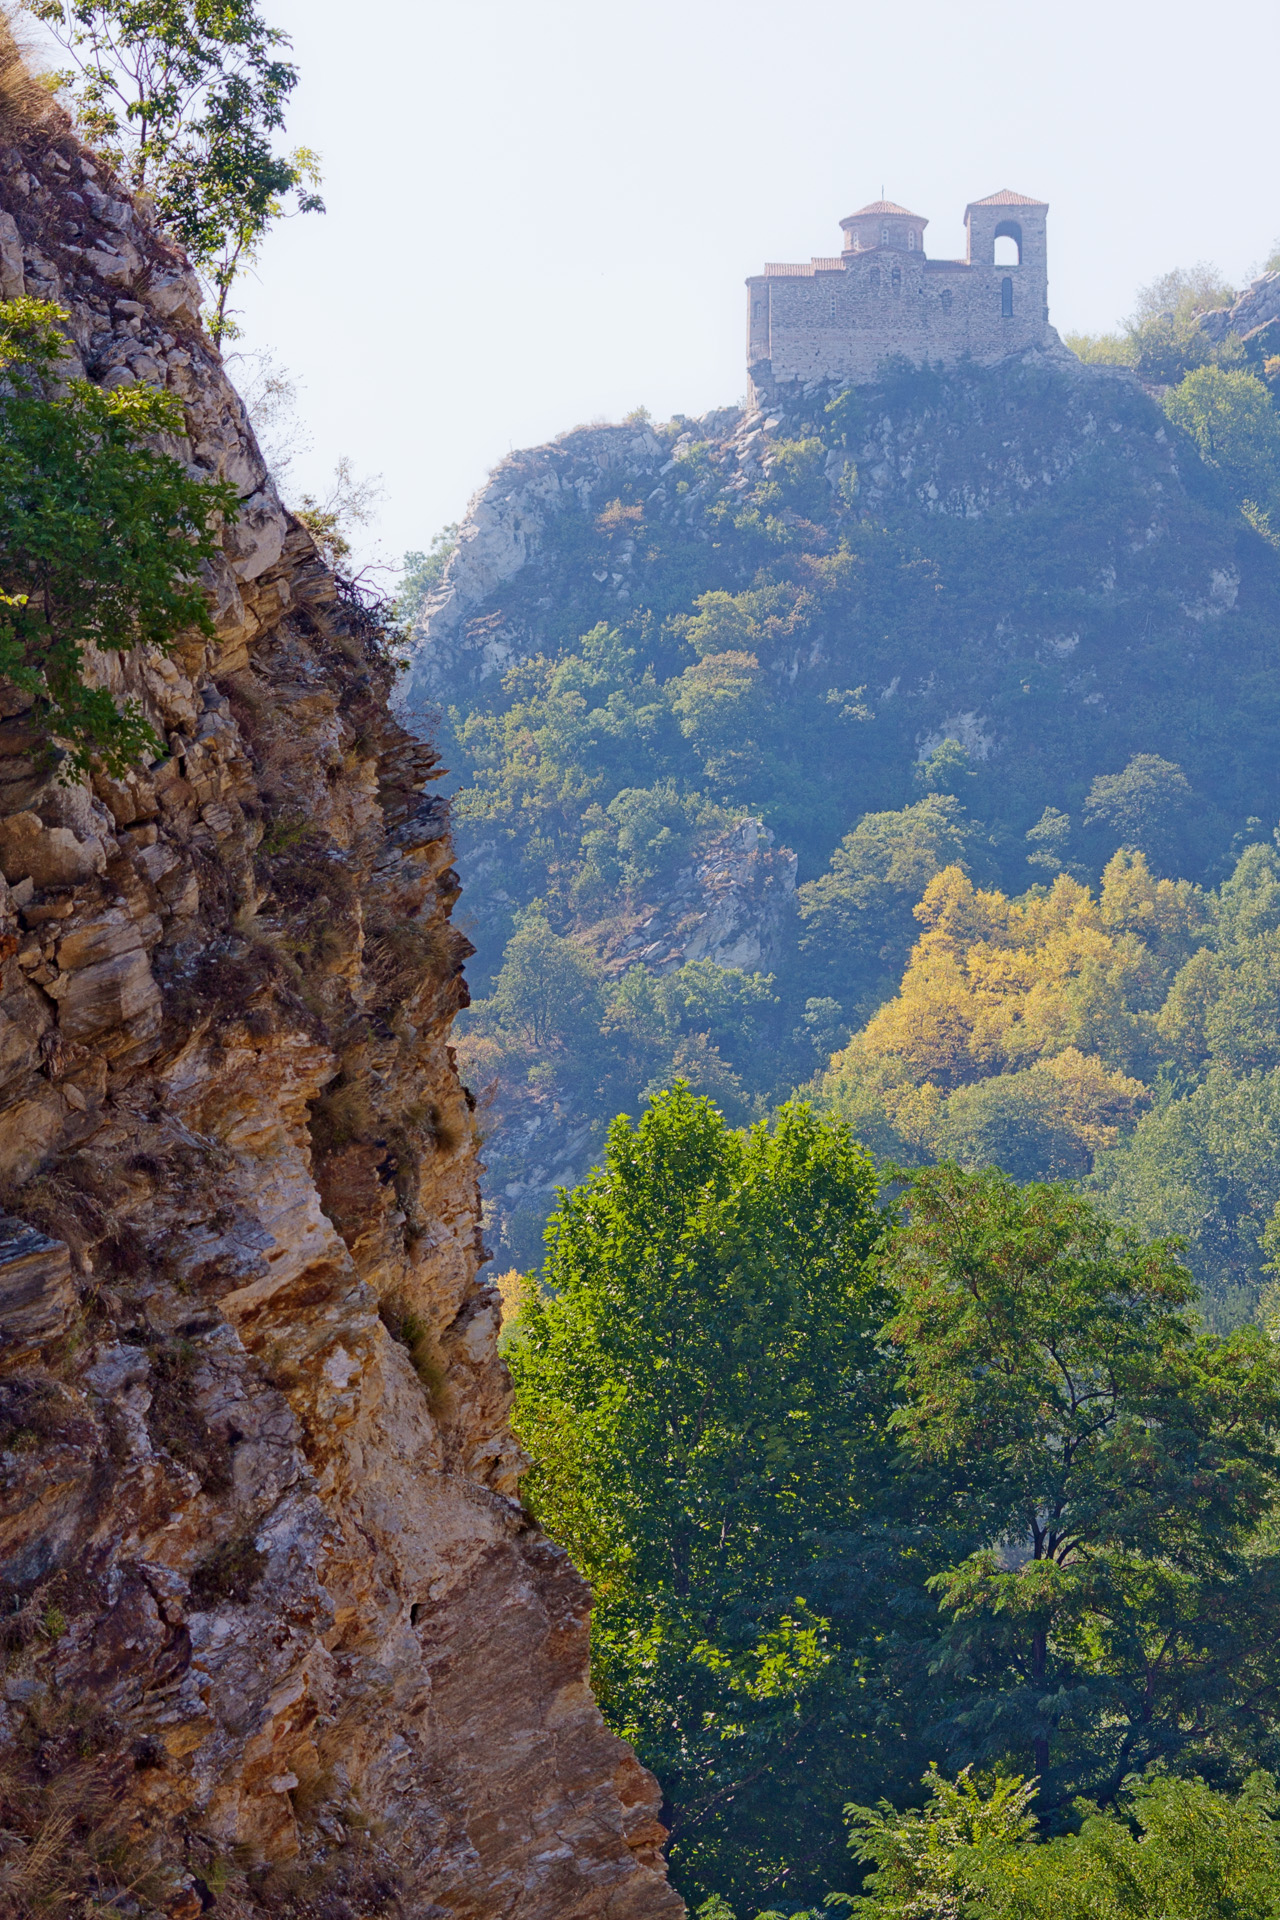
{"x":278,"y":1633}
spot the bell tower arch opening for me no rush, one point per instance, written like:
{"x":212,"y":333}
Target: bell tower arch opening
{"x":1008,"y":244}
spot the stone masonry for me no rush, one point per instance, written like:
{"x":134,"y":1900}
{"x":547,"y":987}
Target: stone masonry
{"x":840,"y":318}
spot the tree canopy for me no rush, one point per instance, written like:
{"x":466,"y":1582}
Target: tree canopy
{"x":183,"y":97}
{"x":697,"y":1384}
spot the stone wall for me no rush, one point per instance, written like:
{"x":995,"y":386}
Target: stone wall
{"x":279,"y":1636}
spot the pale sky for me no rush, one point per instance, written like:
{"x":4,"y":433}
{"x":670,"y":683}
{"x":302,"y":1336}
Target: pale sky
{"x":540,"y":214}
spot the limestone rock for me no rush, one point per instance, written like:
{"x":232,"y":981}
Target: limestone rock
{"x":733,"y":907}
{"x":48,"y":856}
{"x":501,"y":532}
{"x":1256,"y":307}
{"x":37,"y":1298}
{"x":262,"y":1539}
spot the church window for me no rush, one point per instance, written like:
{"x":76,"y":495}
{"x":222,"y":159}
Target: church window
{"x":884,"y":236}
{"x":896,"y":278}
{"x":946,"y":299}
{"x":911,"y":240}
{"x":1006,"y":298}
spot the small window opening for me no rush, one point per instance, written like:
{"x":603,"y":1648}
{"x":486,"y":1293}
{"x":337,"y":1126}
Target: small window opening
{"x":884,"y":236}
{"x":947,"y":297}
{"x":1006,"y":298}
{"x":896,"y":277}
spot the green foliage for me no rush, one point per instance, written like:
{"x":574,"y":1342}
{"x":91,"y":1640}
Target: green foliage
{"x":1143,"y":807}
{"x":547,"y":996}
{"x":422,"y":574}
{"x":946,"y":1857}
{"x":1026,"y":563}
{"x":1230,"y":417}
{"x":1173,"y":1847}
{"x":1205,"y":1167}
{"x":101,"y":537}
{"x":1118,"y":1461}
{"x":1016,"y":1121}
{"x":858,"y":921}
{"x":947,"y":770}
{"x":182,"y":97}
{"x":695,"y":1386}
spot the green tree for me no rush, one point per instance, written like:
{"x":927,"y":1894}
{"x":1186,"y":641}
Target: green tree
{"x":946,"y":770}
{"x":101,"y":537}
{"x":1144,"y":806}
{"x":1164,"y":338}
{"x":183,"y":97}
{"x":1230,"y":417}
{"x":548,"y":995}
{"x":696,"y":1383}
{"x":722,"y":709}
{"x":857,"y":919}
{"x":423,"y":572}
{"x":1173,"y":1847}
{"x":1017,"y":1121}
{"x":1116,"y":1462}
{"x":1205,"y":1167}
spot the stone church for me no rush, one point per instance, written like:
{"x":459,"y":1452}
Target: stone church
{"x":840,"y":317}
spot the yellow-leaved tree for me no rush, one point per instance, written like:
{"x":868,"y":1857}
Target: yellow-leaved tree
{"x":1024,"y":1031}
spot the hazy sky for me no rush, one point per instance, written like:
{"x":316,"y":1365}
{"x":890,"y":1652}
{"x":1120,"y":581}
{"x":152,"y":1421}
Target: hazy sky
{"x":542,"y":214}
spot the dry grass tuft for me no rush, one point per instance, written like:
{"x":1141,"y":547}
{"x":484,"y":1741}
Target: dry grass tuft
{"x":64,"y":1848}
{"x":25,"y":97}
{"x":342,"y":1115}
{"x":414,"y":1335}
{"x":403,"y":957}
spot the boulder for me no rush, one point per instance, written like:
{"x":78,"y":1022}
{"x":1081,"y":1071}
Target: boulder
{"x":48,"y":856}
{"x":37,"y":1296}
{"x":112,"y":993}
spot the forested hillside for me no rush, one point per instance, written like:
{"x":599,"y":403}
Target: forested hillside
{"x":1000,"y":622}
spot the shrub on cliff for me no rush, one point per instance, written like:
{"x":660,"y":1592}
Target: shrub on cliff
{"x":102,"y":537}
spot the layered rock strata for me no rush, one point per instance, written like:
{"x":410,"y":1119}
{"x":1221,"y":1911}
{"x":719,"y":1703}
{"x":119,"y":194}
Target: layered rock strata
{"x":277,"y":1631}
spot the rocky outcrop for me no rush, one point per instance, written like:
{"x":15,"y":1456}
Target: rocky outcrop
{"x":1256,"y":307}
{"x":734,"y":906}
{"x":279,"y":1634}
{"x":503,"y":529}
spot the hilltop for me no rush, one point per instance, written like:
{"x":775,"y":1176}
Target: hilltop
{"x":927,"y":613}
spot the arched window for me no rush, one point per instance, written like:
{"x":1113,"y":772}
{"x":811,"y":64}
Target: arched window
{"x":884,"y":236}
{"x":1006,"y":298}
{"x":947,"y":298}
{"x":896,"y":277}
{"x":911,"y":239}
{"x":1008,"y":244}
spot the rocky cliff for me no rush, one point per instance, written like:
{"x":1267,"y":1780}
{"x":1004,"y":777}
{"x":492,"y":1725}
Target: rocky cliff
{"x":278,"y":1634}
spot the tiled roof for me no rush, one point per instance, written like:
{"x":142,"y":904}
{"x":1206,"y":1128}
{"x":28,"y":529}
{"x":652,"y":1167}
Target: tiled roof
{"x":1008,"y":198}
{"x":886,"y":206}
